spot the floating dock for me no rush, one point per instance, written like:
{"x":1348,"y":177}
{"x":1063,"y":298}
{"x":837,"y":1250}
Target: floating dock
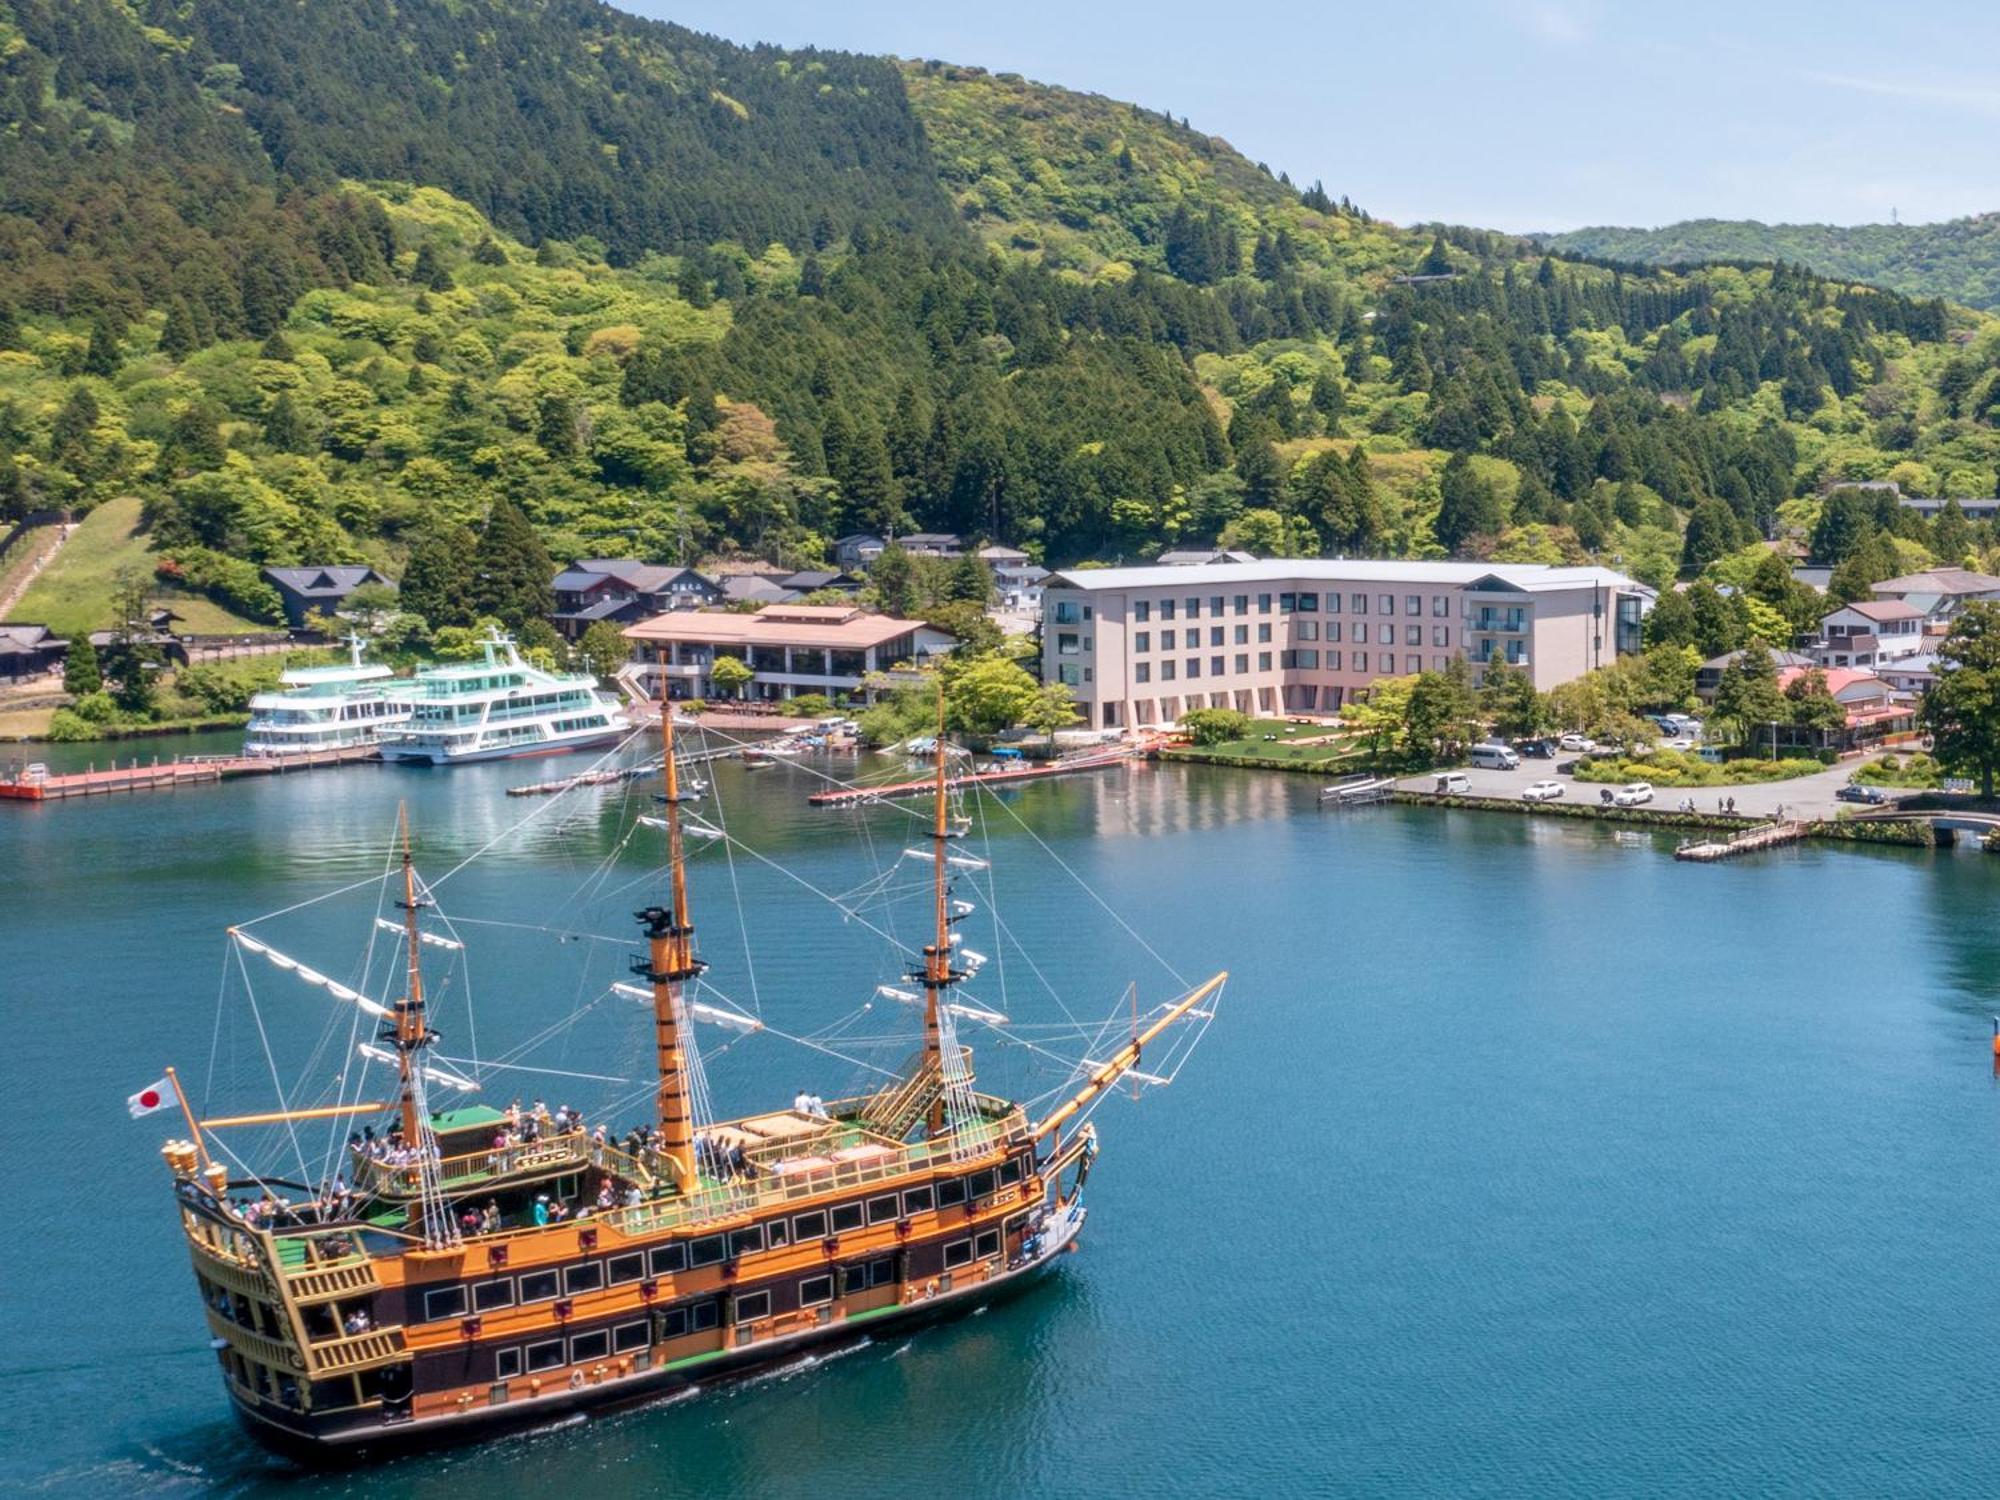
{"x":1749,"y":841}
{"x":861,"y":796}
{"x":1358,"y":791}
{"x":194,"y":770}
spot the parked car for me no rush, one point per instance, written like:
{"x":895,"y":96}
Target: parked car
{"x":1576,"y":742}
{"x":1633,"y":793}
{"x":1681,"y":743}
{"x":1495,"y":758}
{"x":1454,"y":783}
{"x":1858,"y":791}
{"x":1540,"y":749}
{"x":1543,"y":791}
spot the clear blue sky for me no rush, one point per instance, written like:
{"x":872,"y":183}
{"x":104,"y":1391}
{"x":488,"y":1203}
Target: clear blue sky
{"x":1512,"y":114}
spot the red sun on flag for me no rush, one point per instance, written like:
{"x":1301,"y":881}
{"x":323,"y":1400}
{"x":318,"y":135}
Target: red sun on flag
{"x":153,"y":1096}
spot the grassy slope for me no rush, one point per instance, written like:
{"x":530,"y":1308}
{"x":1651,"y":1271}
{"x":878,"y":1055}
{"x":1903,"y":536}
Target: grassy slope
{"x":1958,"y":260}
{"x":74,"y":592}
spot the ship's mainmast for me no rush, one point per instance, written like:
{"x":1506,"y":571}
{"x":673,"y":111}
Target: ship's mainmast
{"x":938,"y":975}
{"x":411,"y":1035}
{"x":669,"y":964}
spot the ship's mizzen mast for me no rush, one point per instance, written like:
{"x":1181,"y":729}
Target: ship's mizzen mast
{"x":938,"y":975}
{"x":668,"y":965}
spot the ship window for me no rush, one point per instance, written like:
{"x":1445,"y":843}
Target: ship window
{"x":621,"y":1268}
{"x":584,"y":1278}
{"x":883,"y":1209}
{"x":746,"y":1241}
{"x":809,"y":1226}
{"x":957,"y":1253}
{"x":705,"y":1251}
{"x":667,"y":1259}
{"x":545,"y":1356}
{"x":444,"y":1302}
{"x":705,"y":1315}
{"x":777,"y":1233}
{"x":752,"y":1305}
{"x":987,"y":1244}
{"x":673,"y":1322}
{"x":589,"y":1346}
{"x":982,"y":1183}
{"x":951,"y":1190}
{"x":506,"y":1363}
{"x":882,"y":1272}
{"x":629,"y":1336}
{"x":814,"y":1290}
{"x":491,"y":1294}
{"x":917,"y":1201}
{"x":846,"y":1216}
{"x":1010,"y":1173}
{"x":538,"y":1286}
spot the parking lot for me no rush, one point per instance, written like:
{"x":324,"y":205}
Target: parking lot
{"x":1806,"y":797}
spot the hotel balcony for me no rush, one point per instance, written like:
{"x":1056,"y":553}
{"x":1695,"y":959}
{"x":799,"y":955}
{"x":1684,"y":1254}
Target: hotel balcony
{"x":1499,"y":622}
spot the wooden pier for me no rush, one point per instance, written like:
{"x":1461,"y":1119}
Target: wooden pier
{"x":1358,"y":791}
{"x":1764,"y":836}
{"x":193,"y":770}
{"x":861,"y":796}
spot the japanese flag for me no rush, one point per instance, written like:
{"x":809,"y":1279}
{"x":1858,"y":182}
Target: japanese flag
{"x":153,"y":1096}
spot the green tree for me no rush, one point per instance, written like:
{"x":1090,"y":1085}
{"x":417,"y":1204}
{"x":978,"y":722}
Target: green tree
{"x":1718,"y":628}
{"x":1379,"y":718}
{"x":511,"y":571}
{"x":177,"y":336}
{"x":437,"y":582}
{"x":1961,"y":712}
{"x":967,"y":623}
{"x":1441,"y":717}
{"x":603,"y":649}
{"x":285,"y":427}
{"x":1813,"y":708}
{"x":730,"y":675}
{"x":893,"y":577}
{"x":1053,"y":709}
{"x":1671,"y":621}
{"x":1214,"y":726}
{"x":987,"y":694}
{"x":1711,"y":535}
{"x":1872,"y":560}
{"x":970,"y":580}
{"x":1467,"y":506}
{"x":102,"y":356}
{"x":1748,"y":694}
{"x":1508,"y":698}
{"x":81,"y":673}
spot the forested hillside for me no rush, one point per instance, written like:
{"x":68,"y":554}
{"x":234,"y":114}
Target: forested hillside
{"x":1958,"y":260}
{"x":316,"y":284}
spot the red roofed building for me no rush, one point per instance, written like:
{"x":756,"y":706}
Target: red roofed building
{"x":793,"y":649}
{"x":1874,"y":709}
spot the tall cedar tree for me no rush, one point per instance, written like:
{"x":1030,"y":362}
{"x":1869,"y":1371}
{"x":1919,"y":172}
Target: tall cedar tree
{"x":437,"y":581}
{"x":511,"y":569}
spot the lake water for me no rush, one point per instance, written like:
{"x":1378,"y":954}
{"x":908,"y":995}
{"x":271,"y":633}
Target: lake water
{"x":1520,"y":1159}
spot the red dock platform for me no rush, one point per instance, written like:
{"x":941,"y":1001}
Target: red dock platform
{"x":166,"y":776}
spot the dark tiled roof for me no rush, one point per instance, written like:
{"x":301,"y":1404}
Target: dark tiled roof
{"x":334,"y":578}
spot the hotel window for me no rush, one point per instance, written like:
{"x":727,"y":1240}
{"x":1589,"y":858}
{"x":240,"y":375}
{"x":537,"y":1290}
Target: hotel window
{"x":1242,"y":604}
{"x":1193,"y":608}
{"x":1263,"y":604}
{"x":1066,"y":643}
{"x":1193,"y":667}
{"x":1142,"y":611}
{"x":1438,"y":663}
{"x":1333,"y":661}
{"x":1263,"y":634}
{"x":1143,"y":641}
{"x":1215,"y":635}
{"x":1216,"y":667}
{"x":1069,"y":674}
{"x":1361,"y":661}
{"x":1142,"y":671}
{"x":1242,"y":635}
{"x":1413,"y":604}
{"x":1332,"y":602}
{"x":751,"y":1306}
{"x":815,"y":1290}
{"x":1305,"y":630}
{"x":1243,"y":661}
{"x":1440,"y":635}
{"x":1166,"y":609}
{"x":1333,"y":630}
{"x":1309,"y":602}
{"x":1413,"y":665}
{"x":1086,"y":674}
{"x":1388,"y":603}
{"x":1308,"y":659}
{"x":1088,"y":641}
{"x":1263,"y":661}
{"x":1413,"y":635}
{"x":1441,"y":607}
{"x":587,"y":1277}
{"x":1360,"y":636}
{"x":1287,"y":603}
{"x":588,"y":1346}
{"x":1357,"y":604}
{"x":491,"y":1294}
{"x":1166,"y":671}
{"x":445,"y":1302}
{"x":1215,"y":604}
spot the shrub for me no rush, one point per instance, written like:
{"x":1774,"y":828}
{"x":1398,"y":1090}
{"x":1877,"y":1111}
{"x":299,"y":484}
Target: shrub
{"x":809,"y":706}
{"x":1213,"y":726}
{"x":1671,"y":768}
{"x":69,"y":728}
{"x":96,"y":708}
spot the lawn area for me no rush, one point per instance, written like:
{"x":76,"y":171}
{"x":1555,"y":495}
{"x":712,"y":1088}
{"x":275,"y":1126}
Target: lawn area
{"x":74,"y":592}
{"x":1300,"y":744}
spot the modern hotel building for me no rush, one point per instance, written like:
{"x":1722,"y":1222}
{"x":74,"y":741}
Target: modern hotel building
{"x":1142,"y":646}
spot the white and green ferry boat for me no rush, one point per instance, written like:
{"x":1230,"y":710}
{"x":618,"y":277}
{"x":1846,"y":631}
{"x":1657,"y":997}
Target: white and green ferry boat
{"x":328,"y":708}
{"x":501,"y":708}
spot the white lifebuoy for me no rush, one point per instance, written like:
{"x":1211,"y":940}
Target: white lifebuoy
{"x":576,"y":1380}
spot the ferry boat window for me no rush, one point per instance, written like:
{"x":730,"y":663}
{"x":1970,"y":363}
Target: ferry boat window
{"x":629,"y":1336}
{"x":705,"y":1315}
{"x":488,"y":1295}
{"x":846,"y":1216}
{"x":814,"y":1290}
{"x":809,"y":1226}
{"x":950,"y":1191}
{"x":957,"y":1253}
{"x":882,"y":1272}
{"x":917,"y":1201}
{"x":545,"y":1356}
{"x":622,"y":1268}
{"x":705,"y":1251}
{"x":444,"y":1302}
{"x":584,"y":1278}
{"x":751,"y":1306}
{"x":777,"y":1233}
{"x":538,"y":1286}
{"x":667,"y":1259}
{"x":506,"y":1363}
{"x":982,"y":1184}
{"x":987,"y":1244}
{"x":673,"y":1323}
{"x":883,"y":1209}
{"x":1010,"y":1172}
{"x":589,"y":1346}
{"x":746,"y":1241}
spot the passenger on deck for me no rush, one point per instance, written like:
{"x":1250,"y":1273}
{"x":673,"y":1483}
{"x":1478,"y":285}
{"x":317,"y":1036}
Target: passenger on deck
{"x":803,"y":1104}
{"x":606,"y":1199}
{"x":816,"y":1107}
{"x":739,"y":1164}
{"x":542,"y":1211}
{"x":489,"y":1218}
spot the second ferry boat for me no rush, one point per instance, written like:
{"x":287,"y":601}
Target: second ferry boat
{"x":327,"y":708}
{"x":501,"y":708}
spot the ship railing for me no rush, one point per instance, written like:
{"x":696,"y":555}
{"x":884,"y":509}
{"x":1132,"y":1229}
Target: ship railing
{"x":353,"y":1351}
{"x":404,"y":1179}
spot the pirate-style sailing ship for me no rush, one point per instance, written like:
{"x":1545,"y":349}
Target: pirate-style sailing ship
{"x":479,"y":1268}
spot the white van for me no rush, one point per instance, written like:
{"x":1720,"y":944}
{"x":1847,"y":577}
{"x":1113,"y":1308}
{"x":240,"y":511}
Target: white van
{"x":1495,"y":758}
{"x":1455,"y":783}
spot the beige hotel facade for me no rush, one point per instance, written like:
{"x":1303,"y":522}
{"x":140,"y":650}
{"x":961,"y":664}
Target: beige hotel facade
{"x":1142,"y":646}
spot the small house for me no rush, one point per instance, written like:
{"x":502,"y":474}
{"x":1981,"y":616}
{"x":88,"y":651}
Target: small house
{"x":321,"y":590}
{"x":30,"y":650}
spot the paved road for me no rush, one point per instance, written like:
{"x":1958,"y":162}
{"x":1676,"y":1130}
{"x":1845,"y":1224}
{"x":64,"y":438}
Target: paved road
{"x":1808,"y":796}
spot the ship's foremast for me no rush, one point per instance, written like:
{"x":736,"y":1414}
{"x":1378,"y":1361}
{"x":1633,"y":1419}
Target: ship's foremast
{"x":668,"y":965}
{"x":407,"y":1031}
{"x":937,"y":975}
